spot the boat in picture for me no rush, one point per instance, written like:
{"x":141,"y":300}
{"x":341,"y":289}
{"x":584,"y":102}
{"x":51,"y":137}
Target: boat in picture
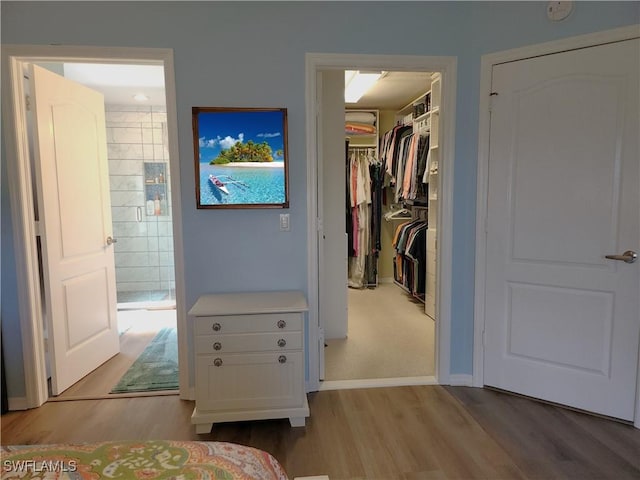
{"x":218,"y":184}
{"x":229,"y":180}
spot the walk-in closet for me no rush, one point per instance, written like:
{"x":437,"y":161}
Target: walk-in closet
{"x":391,"y":156}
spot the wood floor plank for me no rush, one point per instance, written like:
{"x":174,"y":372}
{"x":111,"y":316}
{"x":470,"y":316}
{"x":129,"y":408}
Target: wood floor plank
{"x":410,"y":433}
{"x":552,"y":442}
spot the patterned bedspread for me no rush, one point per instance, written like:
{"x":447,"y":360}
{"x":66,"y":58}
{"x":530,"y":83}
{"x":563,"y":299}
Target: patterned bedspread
{"x":157,"y":460}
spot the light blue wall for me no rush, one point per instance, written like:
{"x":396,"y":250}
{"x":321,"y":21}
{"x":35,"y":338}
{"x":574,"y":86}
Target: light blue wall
{"x":252,"y":54}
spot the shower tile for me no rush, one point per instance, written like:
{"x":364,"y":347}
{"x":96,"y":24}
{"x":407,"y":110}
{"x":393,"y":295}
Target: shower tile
{"x":132,"y":259}
{"x":152,"y":227}
{"x":147,"y":135}
{"x":123,"y":214}
{"x":137,"y":286}
{"x":148,"y":151}
{"x":158,"y":152}
{"x":124,"y":135}
{"x":153,"y":259}
{"x":125,"y":182}
{"x":129,"y":229}
{"x":165,"y":258}
{"x":124,"y":151}
{"x":165,"y":244}
{"x":152,"y":244}
{"x":165,"y":229}
{"x":127,"y":198}
{"x":132,"y":244}
{"x":125,"y":167}
{"x":137,"y":274}
{"x":157,"y":135}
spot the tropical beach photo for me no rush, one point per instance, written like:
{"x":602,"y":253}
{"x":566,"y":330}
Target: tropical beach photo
{"x":240,"y":157}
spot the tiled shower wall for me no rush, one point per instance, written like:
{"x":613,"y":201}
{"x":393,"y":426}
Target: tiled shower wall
{"x":144,"y":251}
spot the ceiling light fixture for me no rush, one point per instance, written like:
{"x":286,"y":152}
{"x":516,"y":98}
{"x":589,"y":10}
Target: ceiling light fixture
{"x":356,"y":84}
{"x":140,"y":97}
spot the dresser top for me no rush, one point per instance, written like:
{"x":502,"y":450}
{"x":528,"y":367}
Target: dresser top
{"x":248,"y":303}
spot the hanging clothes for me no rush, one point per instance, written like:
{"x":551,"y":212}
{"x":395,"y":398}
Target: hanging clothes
{"x":409,"y":268}
{"x":405,"y":156}
{"x":364,"y":194}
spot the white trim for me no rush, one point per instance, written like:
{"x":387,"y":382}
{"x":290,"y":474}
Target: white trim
{"x":486,"y":66}
{"x":461,"y":380}
{"x":447,"y":66}
{"x":22,"y":200}
{"x":377,"y":383}
{"x":17,"y":403}
{"x":313,"y":380}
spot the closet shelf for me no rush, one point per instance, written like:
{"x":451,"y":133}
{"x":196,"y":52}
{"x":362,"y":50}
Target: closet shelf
{"x":422,"y":117}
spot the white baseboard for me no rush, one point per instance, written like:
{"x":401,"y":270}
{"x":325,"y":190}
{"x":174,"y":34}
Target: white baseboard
{"x":385,"y":280}
{"x":461,"y":380}
{"x":376,"y":383}
{"x":17,"y":403}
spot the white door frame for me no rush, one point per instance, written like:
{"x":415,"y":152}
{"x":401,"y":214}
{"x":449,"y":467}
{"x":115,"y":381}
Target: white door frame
{"x":447,"y":66}
{"x":487,"y":64}
{"x":22,"y":205}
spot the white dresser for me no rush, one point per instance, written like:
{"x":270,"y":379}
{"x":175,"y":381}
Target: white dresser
{"x":249,"y":358}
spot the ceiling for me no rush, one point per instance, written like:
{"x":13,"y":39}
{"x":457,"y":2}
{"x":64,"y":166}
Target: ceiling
{"x":119,"y":84}
{"x":395,"y":90}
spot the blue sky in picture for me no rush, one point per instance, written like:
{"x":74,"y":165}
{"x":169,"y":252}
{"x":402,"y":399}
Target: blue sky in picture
{"x":220,"y":130}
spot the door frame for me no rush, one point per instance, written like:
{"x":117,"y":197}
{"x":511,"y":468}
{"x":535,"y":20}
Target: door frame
{"x":25,"y":229}
{"x":486,"y":67}
{"x":447,"y":66}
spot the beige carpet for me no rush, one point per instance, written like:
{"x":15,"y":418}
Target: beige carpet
{"x":389,"y":336}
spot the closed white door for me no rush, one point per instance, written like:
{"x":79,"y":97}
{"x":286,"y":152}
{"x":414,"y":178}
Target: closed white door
{"x":75,"y":221}
{"x":561,"y":320}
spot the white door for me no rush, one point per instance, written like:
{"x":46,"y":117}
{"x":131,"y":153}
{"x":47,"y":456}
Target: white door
{"x":75,"y":224}
{"x":561,"y":320}
{"x":333,"y":261}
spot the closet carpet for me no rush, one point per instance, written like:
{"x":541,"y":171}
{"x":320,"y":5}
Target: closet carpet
{"x":389,"y":336}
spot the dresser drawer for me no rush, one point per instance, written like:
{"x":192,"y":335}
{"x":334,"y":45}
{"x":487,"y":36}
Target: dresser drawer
{"x":246,"y":381}
{"x":249,"y":342}
{"x":272,"y":322}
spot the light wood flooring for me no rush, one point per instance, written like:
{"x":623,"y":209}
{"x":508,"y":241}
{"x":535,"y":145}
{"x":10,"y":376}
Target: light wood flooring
{"x":389,"y":336}
{"x":141,"y":327}
{"x":420,"y":432}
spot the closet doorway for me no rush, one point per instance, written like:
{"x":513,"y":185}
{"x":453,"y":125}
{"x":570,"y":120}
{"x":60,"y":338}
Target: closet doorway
{"x":379,"y":323}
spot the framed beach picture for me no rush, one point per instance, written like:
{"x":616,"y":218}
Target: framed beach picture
{"x":240,"y":157}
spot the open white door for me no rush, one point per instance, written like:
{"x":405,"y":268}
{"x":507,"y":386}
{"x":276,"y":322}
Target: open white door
{"x":75,"y":225}
{"x":332,"y":261}
{"x":562,"y":321}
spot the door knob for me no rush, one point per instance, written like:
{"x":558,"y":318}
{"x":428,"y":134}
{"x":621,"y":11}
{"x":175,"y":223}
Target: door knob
{"x":627,"y":257}
{"x":111,"y":240}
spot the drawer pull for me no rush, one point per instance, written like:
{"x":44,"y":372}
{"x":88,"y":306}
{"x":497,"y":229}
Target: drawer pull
{"x":282,"y":324}
{"x":216,"y":327}
{"x":282,"y":342}
{"x":217,"y":346}
{"x":217,"y":362}
{"x":282,"y":359}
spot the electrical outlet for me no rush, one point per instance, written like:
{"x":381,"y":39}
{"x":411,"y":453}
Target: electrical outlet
{"x":284,"y":222}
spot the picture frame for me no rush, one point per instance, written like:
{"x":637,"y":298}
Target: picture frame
{"x":241,"y":157}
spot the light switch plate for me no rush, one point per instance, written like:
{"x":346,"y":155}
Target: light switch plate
{"x":284,"y":222}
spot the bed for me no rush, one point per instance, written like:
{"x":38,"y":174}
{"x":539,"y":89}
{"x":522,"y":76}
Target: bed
{"x":157,"y":460}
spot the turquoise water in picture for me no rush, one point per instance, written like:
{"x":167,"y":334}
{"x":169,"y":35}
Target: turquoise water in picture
{"x":246,"y":185}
